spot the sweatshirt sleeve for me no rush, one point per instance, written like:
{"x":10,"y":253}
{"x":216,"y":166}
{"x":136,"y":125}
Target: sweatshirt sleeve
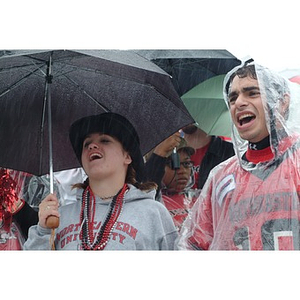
{"x":38,"y":238}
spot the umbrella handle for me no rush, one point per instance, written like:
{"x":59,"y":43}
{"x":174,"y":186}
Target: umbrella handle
{"x":52,"y":222}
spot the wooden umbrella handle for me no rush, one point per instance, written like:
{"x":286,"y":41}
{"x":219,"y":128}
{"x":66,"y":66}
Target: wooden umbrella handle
{"x":52,"y":222}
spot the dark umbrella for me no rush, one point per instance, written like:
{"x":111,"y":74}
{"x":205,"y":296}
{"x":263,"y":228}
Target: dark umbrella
{"x":73,"y":84}
{"x":191,"y":67}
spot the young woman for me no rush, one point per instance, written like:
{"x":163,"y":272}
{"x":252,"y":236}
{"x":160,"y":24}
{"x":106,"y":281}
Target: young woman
{"x":115,"y":209}
{"x":177,"y":194}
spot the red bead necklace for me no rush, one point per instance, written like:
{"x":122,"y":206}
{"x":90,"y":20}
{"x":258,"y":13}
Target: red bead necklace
{"x":89,"y":240}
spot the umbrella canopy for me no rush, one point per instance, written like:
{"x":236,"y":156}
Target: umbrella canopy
{"x":78,"y":83}
{"x":206,"y":104}
{"x":191,"y":67}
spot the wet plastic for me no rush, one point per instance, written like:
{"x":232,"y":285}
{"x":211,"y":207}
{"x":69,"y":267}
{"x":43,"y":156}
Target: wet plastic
{"x":254,"y":206}
{"x":11,"y":185}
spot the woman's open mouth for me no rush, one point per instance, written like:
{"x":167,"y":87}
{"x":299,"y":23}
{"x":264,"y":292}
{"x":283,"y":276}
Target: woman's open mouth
{"x":95,"y":156}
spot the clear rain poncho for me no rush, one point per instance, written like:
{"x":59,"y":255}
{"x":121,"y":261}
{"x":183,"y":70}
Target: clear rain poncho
{"x":254,"y":206}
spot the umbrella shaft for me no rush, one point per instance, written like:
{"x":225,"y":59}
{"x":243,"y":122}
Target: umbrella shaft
{"x":48,"y":93}
{"x":50,"y":140}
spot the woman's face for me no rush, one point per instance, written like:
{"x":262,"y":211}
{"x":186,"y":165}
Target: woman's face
{"x":178,"y":180}
{"x":103,"y":156}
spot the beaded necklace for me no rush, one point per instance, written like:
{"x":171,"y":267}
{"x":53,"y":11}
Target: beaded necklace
{"x":89,"y":240}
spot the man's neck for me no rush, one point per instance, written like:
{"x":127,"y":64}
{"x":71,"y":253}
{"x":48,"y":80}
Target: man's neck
{"x":264,"y":143}
{"x":198,"y":139}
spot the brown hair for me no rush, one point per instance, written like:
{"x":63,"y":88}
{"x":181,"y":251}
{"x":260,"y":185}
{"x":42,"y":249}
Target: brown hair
{"x":275,"y":82}
{"x":130,"y":178}
{"x":244,"y":71}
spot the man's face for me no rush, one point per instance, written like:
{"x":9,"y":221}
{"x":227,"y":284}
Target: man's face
{"x":247,"y":109}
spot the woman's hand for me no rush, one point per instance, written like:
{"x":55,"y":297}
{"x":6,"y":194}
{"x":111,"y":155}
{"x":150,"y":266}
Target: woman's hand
{"x":48,"y":207}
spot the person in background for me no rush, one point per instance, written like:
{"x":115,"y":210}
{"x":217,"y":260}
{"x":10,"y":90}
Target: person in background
{"x":156,"y":160}
{"x":36,"y":188}
{"x":251,"y":201}
{"x":176,"y":192}
{"x":16,"y":216}
{"x":116,"y":209}
{"x":210,"y":151}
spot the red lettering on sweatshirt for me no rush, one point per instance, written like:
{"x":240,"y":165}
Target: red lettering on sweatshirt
{"x":125,"y":227}
{"x":71,"y":233}
{"x":117,"y":237}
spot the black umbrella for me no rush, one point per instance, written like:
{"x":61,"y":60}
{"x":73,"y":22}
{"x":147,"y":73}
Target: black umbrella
{"x":68,"y":85}
{"x":191,"y":67}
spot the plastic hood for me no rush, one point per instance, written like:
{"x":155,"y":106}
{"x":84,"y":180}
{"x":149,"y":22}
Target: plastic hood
{"x":281,"y":116}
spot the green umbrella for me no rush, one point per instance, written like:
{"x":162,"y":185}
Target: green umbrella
{"x":206,"y":104}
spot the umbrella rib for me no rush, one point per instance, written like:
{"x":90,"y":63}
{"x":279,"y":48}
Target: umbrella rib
{"x":128,"y":79}
{"x":136,"y":80}
{"x":17,"y":83}
{"x":216,"y":121}
{"x":86,"y":93}
{"x":9,"y":69}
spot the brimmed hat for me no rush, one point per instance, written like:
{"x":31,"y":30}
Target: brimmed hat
{"x":114,"y":125}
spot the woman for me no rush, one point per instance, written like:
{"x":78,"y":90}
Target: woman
{"x":115,"y":211}
{"x":177,"y":194}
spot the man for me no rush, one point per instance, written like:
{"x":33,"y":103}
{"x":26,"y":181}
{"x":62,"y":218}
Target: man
{"x":156,"y":160}
{"x":251,"y":201}
{"x":210,"y":151}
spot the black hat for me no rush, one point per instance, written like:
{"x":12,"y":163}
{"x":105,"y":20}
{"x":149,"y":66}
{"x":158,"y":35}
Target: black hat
{"x":114,"y":125}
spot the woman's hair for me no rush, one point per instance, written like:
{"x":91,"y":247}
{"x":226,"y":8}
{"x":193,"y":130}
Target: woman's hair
{"x":130,"y":178}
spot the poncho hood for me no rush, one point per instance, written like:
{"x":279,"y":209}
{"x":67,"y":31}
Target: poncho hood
{"x":281,"y":120}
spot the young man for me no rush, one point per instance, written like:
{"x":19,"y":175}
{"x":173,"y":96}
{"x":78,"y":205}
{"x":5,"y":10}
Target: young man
{"x":251,"y":201}
{"x":210,"y":151}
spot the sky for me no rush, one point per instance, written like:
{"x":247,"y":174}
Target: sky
{"x":265,"y":30}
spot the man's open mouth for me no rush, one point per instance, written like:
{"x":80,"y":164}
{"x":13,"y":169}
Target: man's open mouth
{"x":246,"y":118}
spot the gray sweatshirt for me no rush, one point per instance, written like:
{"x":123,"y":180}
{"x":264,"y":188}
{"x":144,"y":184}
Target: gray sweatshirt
{"x":144,"y":224}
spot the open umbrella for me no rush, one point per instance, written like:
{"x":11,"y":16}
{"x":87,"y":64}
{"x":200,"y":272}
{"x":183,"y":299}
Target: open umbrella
{"x":191,"y":67}
{"x":43,"y":92}
{"x":206,"y":104}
